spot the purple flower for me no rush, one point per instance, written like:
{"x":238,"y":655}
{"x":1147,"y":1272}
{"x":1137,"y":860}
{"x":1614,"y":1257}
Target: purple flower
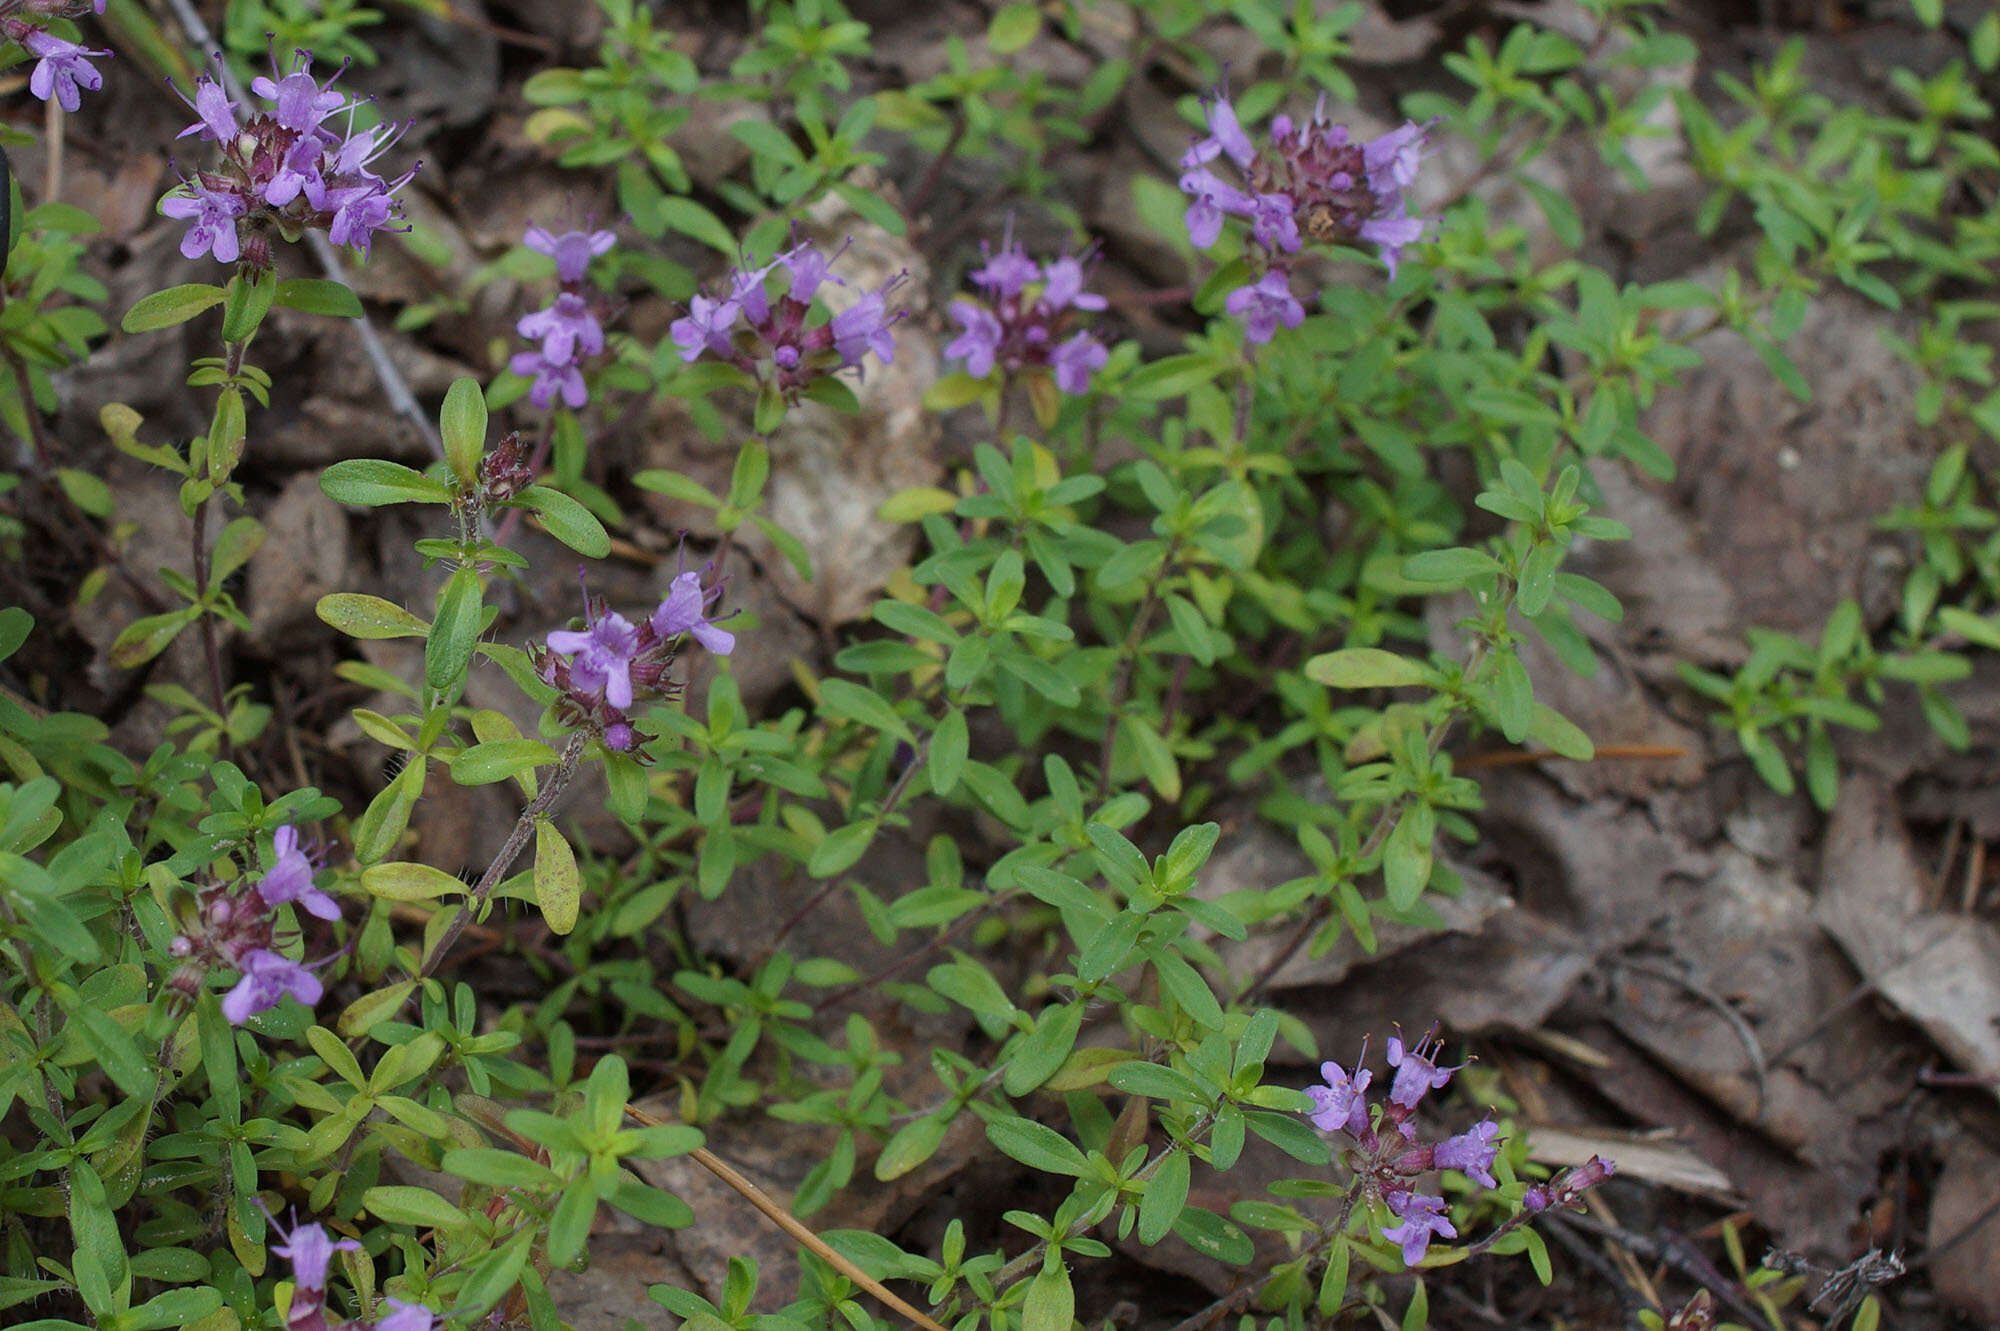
{"x":1212,"y":199}
{"x":214,"y":214}
{"x":1262,"y":307}
{"x":1421,"y":1217}
{"x":1471,"y":1153}
{"x":1226,"y":132}
{"x":572,"y":250}
{"x":1391,"y":159}
{"x":63,"y":68}
{"x":685,"y":610}
{"x":215,"y":114}
{"x":618,"y":735}
{"x":1338,"y":1105}
{"x":310,"y":1250}
{"x":565,"y":329}
{"x":864,"y":327}
{"x":1392,"y":233}
{"x":1076,"y":360}
{"x":1007,"y":272}
{"x":1416,"y":1074}
{"x":746,"y":291}
{"x":601,"y":656}
{"x":291,"y":879}
{"x":299,"y":102}
{"x":359,"y":211}
{"x":407,"y":1317}
{"x":267,"y":978}
{"x":1312,"y":179}
{"x":1272,"y":224}
{"x":980,"y":341}
{"x":706,"y":327}
{"x":298,"y":173}
{"x":550,"y":378}
{"x":362,"y":147}
{"x":808,"y":269}
{"x":1063,"y":287}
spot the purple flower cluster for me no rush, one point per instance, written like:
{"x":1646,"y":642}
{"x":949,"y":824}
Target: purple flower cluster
{"x":63,"y":72}
{"x":1027,"y":310}
{"x":610,"y":664}
{"x":1383,"y":1149}
{"x":1388,"y":1160}
{"x":236,"y":928}
{"x":771,"y":338}
{"x":284,"y":170}
{"x":567,"y":330}
{"x":1312,"y":182}
{"x":310,"y":1252}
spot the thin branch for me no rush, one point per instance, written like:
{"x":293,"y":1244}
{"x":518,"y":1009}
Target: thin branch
{"x":791,"y":1224}
{"x":524,"y":827}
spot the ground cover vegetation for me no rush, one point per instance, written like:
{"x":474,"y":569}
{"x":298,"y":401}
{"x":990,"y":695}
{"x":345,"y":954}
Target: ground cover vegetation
{"x":880,"y":670}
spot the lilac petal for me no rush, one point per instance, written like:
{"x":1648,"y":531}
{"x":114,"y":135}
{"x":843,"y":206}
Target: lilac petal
{"x":1228,"y":132}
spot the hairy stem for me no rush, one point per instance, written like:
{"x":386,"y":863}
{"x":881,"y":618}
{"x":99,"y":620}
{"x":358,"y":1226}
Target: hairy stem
{"x":524,"y":828}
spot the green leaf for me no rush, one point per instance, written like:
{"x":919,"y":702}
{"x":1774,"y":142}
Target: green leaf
{"x":916,"y":503}
{"x":454,"y":634}
{"x":499,"y":759}
{"x":1367,"y":668}
{"x":175,"y":305}
{"x":1038,"y":675}
{"x":1538,"y":578}
{"x":1166,"y":1193}
{"x":144,"y":639}
{"x":1453,"y":567}
{"x":949,"y":745}
{"x":15,"y":625}
{"x":684,"y":215}
{"x":747,"y":477}
{"x":1051,"y":1302}
{"x":841,"y":850}
{"x":676,"y":486}
{"x":569,"y":1228}
{"x":370,"y":1010}
{"x":499,"y":1169}
{"x":769,"y":412}
{"x":849,"y":701}
{"x":412,"y":1206}
{"x":1158,"y":1082}
{"x":1042,"y":1050}
{"x":1513,"y":695}
{"x":558,"y":885}
{"x":567,"y":520}
{"x":407,"y":880}
{"x":1560,"y":734}
{"x":88,"y":492}
{"x":319,"y":295}
{"x":373,"y":482}
{"x":359,"y":615}
{"x":387,"y":816}
{"x":117,"y":1054}
{"x":1036,"y":1145}
{"x":914,"y":1143}
{"x":1406,"y":860}
{"x":462,"y":425}
{"x":247,"y":301}
{"x":1013,"y":26}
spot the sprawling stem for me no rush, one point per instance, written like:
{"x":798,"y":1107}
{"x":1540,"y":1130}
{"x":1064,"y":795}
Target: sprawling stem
{"x":524,"y":828}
